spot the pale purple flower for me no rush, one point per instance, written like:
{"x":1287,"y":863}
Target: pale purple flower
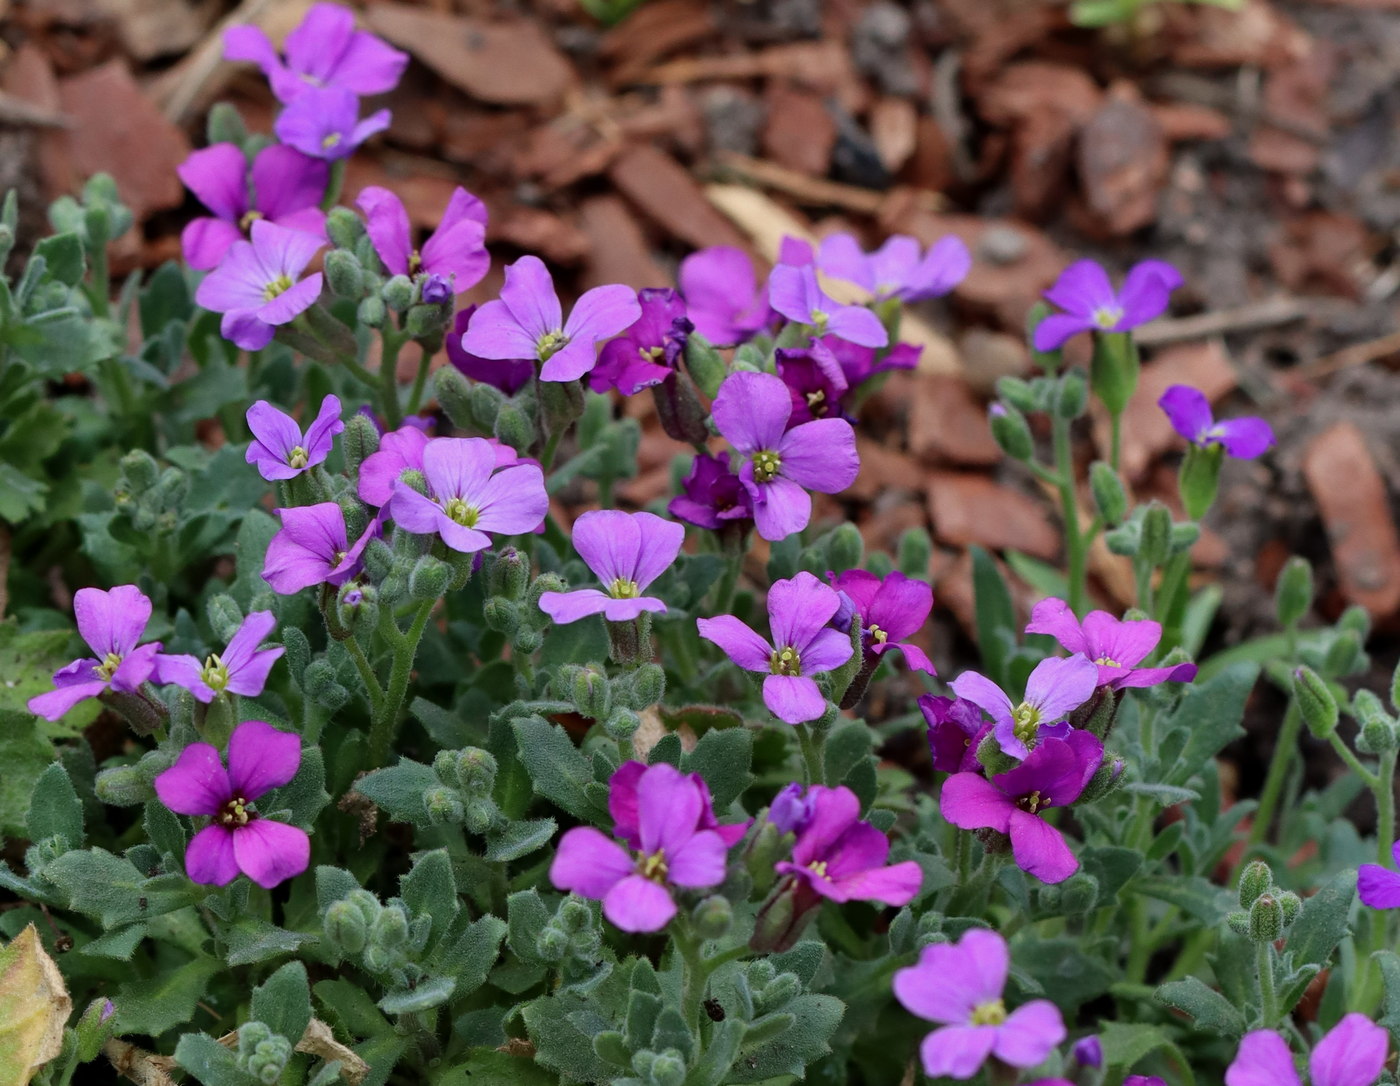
{"x":672,"y":850}
{"x":324,"y":51}
{"x":280,"y":450}
{"x":1053,"y":775}
{"x":646,"y":353}
{"x":1378,"y":886}
{"x":624,"y":804}
{"x":242,"y":668}
{"x":283,"y":187}
{"x":258,"y":285}
{"x":238,"y":839}
{"x":815,"y":382}
{"x":455,"y":252}
{"x":398,"y":452}
{"x":326,"y":123}
{"x":712,"y":496}
{"x":1191,"y":417}
{"x":803,"y":645}
{"x":527,"y":321}
{"x":1056,"y":687}
{"x":1352,"y":1054}
{"x":111,"y":623}
{"x":795,"y":251}
{"x":1117,"y":646}
{"x":841,"y":858}
{"x":890,"y":611}
{"x":859,"y":363}
{"x":433,"y":289}
{"x":468,"y":497}
{"x":627,"y":551}
{"x":312,"y":548}
{"x":898,"y":268}
{"x":796,"y":294}
{"x":1091,"y":304}
{"x":723,"y":296}
{"x":510,"y":375}
{"x":792,"y":808}
{"x":955,"y":728}
{"x":752,"y":411}
{"x":959,"y":986}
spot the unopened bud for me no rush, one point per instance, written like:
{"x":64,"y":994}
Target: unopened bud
{"x":590,"y":694}
{"x":225,"y":125}
{"x":992,"y":758}
{"x":1255,"y":880}
{"x":552,"y":943}
{"x":1107,"y":488}
{"x":527,"y":641}
{"x":1017,"y":394}
{"x":501,"y":615}
{"x":513,"y":427}
{"x":1071,"y":395}
{"x":1293,"y":595}
{"x":1088,"y":1052}
{"x":1199,"y":478}
{"x":390,"y":928}
{"x":372,"y":312}
{"x":345,"y":927}
{"x":914,"y":553}
{"x":777,"y":993}
{"x":713,"y":917}
{"x":429,"y":578}
{"x":344,"y":274}
{"x":1315,"y":702}
{"x":1265,"y":919}
{"x":1345,"y":655}
{"x":123,"y":786}
{"x":1114,"y":369}
{"x":1011,"y":431}
{"x":1379,"y":731}
{"x":476,"y":771}
{"x":646,"y":686}
{"x":668,"y":1069}
{"x":93,"y":1029}
{"x":1154,"y":547}
{"x":1106,"y":779}
{"x":845,"y":547}
{"x":140,"y":471}
{"x":444,"y":807}
{"x":622,"y":724}
{"x":480,"y":815}
{"x":705,"y":364}
{"x":397,"y":293}
{"x":1291,"y":904}
{"x":509,"y":574}
{"x":344,"y":228}
{"x":1079,"y":894}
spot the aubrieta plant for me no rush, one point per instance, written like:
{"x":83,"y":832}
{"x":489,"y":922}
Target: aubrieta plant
{"x":339,"y":745}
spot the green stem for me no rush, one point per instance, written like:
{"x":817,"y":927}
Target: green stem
{"x":415,"y":397}
{"x":1115,"y":440}
{"x":694,"y":973}
{"x":1069,"y":510}
{"x":334,"y":184}
{"x":1268,"y":997}
{"x":551,"y":449}
{"x":1344,"y":752}
{"x":100,"y":291}
{"x":1285,"y":748}
{"x":811,"y":742}
{"x":1385,"y":805}
{"x":389,"y":378}
{"x":367,"y":675}
{"x":381,"y":734}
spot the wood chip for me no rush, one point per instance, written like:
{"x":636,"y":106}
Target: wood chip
{"x":666,"y":193}
{"x":799,"y":132}
{"x":894,"y":128}
{"x":617,"y":250}
{"x":967,"y":508}
{"x":948,"y":424}
{"x":1123,"y":164}
{"x":653,"y":31}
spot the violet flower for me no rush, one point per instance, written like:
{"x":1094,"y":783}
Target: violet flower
{"x":509,"y":375}
{"x":527,"y":322}
{"x":792,"y":808}
{"x":723,"y":296}
{"x":955,"y":728}
{"x":859,"y":363}
{"x":645,"y":354}
{"x":454,"y":252}
{"x":280,"y":450}
{"x":803,"y":645}
{"x":1053,"y":775}
{"x":1088,"y":1051}
{"x":1191,"y":417}
{"x":1117,"y":646}
{"x":815,"y":381}
{"x":1090,"y":303}
{"x":751,"y":412}
{"x":324,"y":51}
{"x":312,"y":548}
{"x":890,"y":610}
{"x":672,"y":851}
{"x":624,"y":804}
{"x":242,"y":668}
{"x":959,"y":986}
{"x":468,"y":497}
{"x":712,"y":495}
{"x":627,"y":551}
{"x":256,"y":287}
{"x":841,"y":858}
{"x":111,"y":623}
{"x":326,"y":123}
{"x":898,"y":269}
{"x":1056,"y":687}
{"x":1378,"y":886}
{"x":1352,"y":1053}
{"x":238,"y":839}
{"x":286,"y":188}
{"x":398,"y":452}
{"x":796,"y":294}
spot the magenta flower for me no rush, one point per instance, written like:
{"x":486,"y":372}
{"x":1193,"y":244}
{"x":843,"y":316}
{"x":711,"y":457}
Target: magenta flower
{"x":238,"y":839}
{"x":841,"y":858}
{"x":796,"y":294}
{"x":627,"y":551}
{"x":455,"y":252}
{"x":111,"y":623}
{"x":890,"y":610}
{"x":859,"y":363}
{"x":242,"y":668}
{"x":312,"y":548}
{"x":510,"y":375}
{"x":897,"y":269}
{"x":256,"y":287}
{"x":528,"y":322}
{"x":804,"y":645}
{"x":815,"y":382}
{"x":1056,"y":687}
{"x":1191,"y":417}
{"x":1053,"y":775}
{"x":672,"y":850}
{"x":752,"y":411}
{"x":468,"y":497}
{"x":623,"y":805}
{"x":955,"y":728}
{"x":959,"y":986}
{"x":398,"y":452}
{"x":280,"y":450}
{"x":1377,"y":886}
{"x":1117,"y":646}
{"x":326,"y":123}
{"x":645,"y":354}
{"x":1090,"y":303}
{"x":712,"y":495}
{"x":723,"y":296}
{"x":324,"y":51}
{"x":1352,"y":1054}
{"x":285,"y":188}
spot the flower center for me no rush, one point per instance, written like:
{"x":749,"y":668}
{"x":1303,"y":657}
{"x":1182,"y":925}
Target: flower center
{"x":457,"y":509}
{"x":1034,"y":802}
{"x":878,"y":635}
{"x":415,"y":261}
{"x":215,"y":673}
{"x":330,"y":139}
{"x":108,"y":667}
{"x":1026,"y":722}
{"x":990,"y":1013}
{"x":653,"y":867}
{"x":819,"y":319}
{"x":1107,"y":317}
{"x":766,"y":464}
{"x":785,"y":661}
{"x":1107,"y":661}
{"x":818,"y":869}
{"x":280,"y":285}
{"x":249,"y":217}
{"x":550,"y":343}
{"x":623,"y":589}
{"x":815,"y":399}
{"x":235,"y":813}
{"x":652,"y":354}
{"x":298,"y":457}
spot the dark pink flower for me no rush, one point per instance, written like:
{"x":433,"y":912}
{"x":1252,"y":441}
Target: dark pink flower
{"x":713,"y":496}
{"x":455,"y":251}
{"x":723,"y":296}
{"x":890,"y":611}
{"x":398,"y":452}
{"x":312,"y":548}
{"x":646,"y":353}
{"x":815,"y":381}
{"x":955,"y":728}
{"x":1352,"y":1054}
{"x":1115,"y":645}
{"x":859,"y":363}
{"x":841,"y":858}
{"x":1377,"y":886}
{"x":623,"y":804}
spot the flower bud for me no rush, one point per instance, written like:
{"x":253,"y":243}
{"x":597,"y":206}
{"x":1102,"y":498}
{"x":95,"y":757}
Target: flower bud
{"x":225,"y":125}
{"x":1071,"y":394}
{"x":1107,"y":488}
{"x":454,"y":393}
{"x":1293,"y":595}
{"x":501,"y":615}
{"x":397,"y":293}
{"x":1380,"y":733}
{"x":345,"y":927}
{"x":992,"y":758}
{"x":1078,"y":894}
{"x":123,"y":786}
{"x":513,"y":427}
{"x":344,"y":274}
{"x":480,"y":815}
{"x":1114,"y":369}
{"x":318,"y":677}
{"x":629,"y":642}
{"x":713,"y":917}
{"x":1265,"y":919}
{"x":1291,"y":904}
{"x":1356,"y":619}
{"x":590,"y":694}
{"x":668,"y":1069}
{"x":140,"y":471}
{"x":765,"y":848}
{"x":679,"y":410}
{"x":1017,"y":394}
{"x":372,"y":312}
{"x":1184,"y":536}
{"x":1238,"y":920}
{"x":508,"y":574}
{"x":545,"y":582}
{"x":428,"y":579}
{"x":561,"y":404}
{"x":250,"y":1036}
{"x":476,"y":771}
{"x":645,"y":686}
{"x":93,"y":1028}
{"x":1256,"y":879}
{"x":1106,"y":779}
{"x":778,"y":925}
{"x":1315,"y":702}
{"x":574,"y":916}
{"x":777,"y":993}
{"x":552,"y":943}
{"x":444,"y":807}
{"x":1154,"y":546}
{"x":914,"y":553}
{"x":1345,"y":655}
{"x":527,"y":641}
{"x":1088,"y":1052}
{"x":1010,"y":431}
{"x":485,"y":402}
{"x":845,"y":547}
{"x":344,"y":228}
{"x":1199,"y":478}
{"x":426,"y":324}
{"x":622,"y":724}
{"x":390,"y":928}
{"x":357,"y":605}
{"x":705,"y":364}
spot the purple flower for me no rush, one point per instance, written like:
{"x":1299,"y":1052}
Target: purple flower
{"x":858,"y":363}
{"x":959,"y":986}
{"x":260,"y":758}
{"x":256,"y":287}
{"x":798,"y":612}
{"x":955,"y":728}
{"x":510,"y":375}
{"x":713,"y":495}
{"x":796,"y":294}
{"x":455,"y":252}
{"x":672,"y":850}
{"x":1053,"y":775}
{"x":1090,"y":304}
{"x":1377,"y":886}
{"x":841,"y":858}
{"x":897,"y":269}
{"x":1115,"y":645}
{"x":890,"y":610}
{"x":468,"y":497}
{"x":398,"y":452}
{"x":752,"y":411}
{"x":1352,"y":1054}
{"x":527,"y":322}
{"x":433,"y":289}
{"x":312,"y":549}
{"x":1056,"y":687}
{"x":326,"y":123}
{"x":1191,"y":417}
{"x":111,"y":623}
{"x":723,"y":296}
{"x":627,"y":551}
{"x":792,"y":808}
{"x":645,"y":354}
{"x":241,"y":669}
{"x":324,"y":51}
{"x":285,"y":189}
{"x":279,"y":449}
{"x":1088,"y":1051}
{"x":815,"y":381}
{"x":623,"y":805}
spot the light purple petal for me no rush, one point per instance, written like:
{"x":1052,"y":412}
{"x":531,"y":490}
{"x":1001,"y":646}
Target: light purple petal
{"x":841,"y":257}
{"x":1082,"y":288}
{"x":375,"y":122}
{"x":370,"y":66}
{"x":945,"y":266}
{"x":1030,"y":1033}
{"x":458,"y":467}
{"x":529,"y":296}
{"x":985,"y":694}
{"x":628,"y":609}
{"x":136,"y":667}
{"x":323,"y":429}
{"x":410,"y":509}
{"x":1244,"y":438}
{"x":1054,"y":617}
{"x":274,"y":431}
{"x":739,"y":642}
{"x":721,"y":295}
{"x":113,"y":621}
{"x":622,"y":800}
{"x":315,"y":46}
{"x":820,"y":455}
{"x":250,"y":679}
{"x":798,"y":607}
{"x":399,"y":451}
{"x":1263,"y":1059}
{"x":287,"y":182}
{"x":570,"y":362}
{"x":795,"y":251}
{"x":1052,"y":332}
{"x":205,"y":242}
{"x":284,"y":251}
{"x":245,"y":328}
{"x":566,"y":607}
{"x":495,"y":332}
{"x":699,"y":862}
{"x":513,"y":501}
{"x":638,"y":905}
{"x":218,"y":175}
{"x":858,"y":325}
{"x":780,"y":508}
{"x":457,"y":252}
{"x":668,"y":808}
{"x":1126,"y":643}
{"x":1146,"y":292}
{"x":242,"y":647}
{"x":54,"y":703}
{"x":589,"y":863}
{"x":1352,"y":1054}
{"x":793,"y":291}
{"x":1188,"y":411}
{"x":186,"y":672}
{"x":236,"y":284}
{"x":826,"y":651}
{"x":196,"y":784}
{"x":602,"y":312}
{"x":1039,"y":848}
{"x":1058,"y":686}
{"x":252,"y":44}
{"x":957,"y":1051}
{"x":209,"y":858}
{"x":270,"y":852}
{"x":894,"y":885}
{"x":751,"y":410}
{"x":1378,"y":887}
{"x":971,"y":802}
{"x":386,"y":222}
{"x":287,"y":305}
{"x":900,"y":606}
{"x":794,"y":699}
{"x":261,"y":758}
{"x":914,"y":657}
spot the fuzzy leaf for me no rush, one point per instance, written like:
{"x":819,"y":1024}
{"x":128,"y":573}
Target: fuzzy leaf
{"x":430,"y":890}
{"x":165,"y":1000}
{"x":283,"y":1002}
{"x":1211,"y":1010}
{"x":519,"y":839}
{"x":722,"y":757}
{"x":557,"y":769}
{"x":54,"y":808}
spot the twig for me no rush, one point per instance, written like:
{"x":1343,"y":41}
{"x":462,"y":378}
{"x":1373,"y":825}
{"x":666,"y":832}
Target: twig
{"x":809,"y":190}
{"x":142,"y":1067}
{"x":1245,"y":318}
{"x":1358,"y":354}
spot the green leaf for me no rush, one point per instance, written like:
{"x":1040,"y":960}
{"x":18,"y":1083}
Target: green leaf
{"x":283,"y":1002}
{"x":527,"y":916}
{"x":399,"y":790}
{"x":1210,"y":1010}
{"x":475,"y":951}
{"x":490,"y":1067}
{"x":1125,"y":1043}
{"x":557,"y":769}
{"x":429,"y":889}
{"x":64,"y":256}
{"x":1195,"y":896}
{"x":1210,"y":714}
{"x":164,"y":1001}
{"x":210,"y":1063}
{"x":251,"y":939}
{"x":110,"y":889}
{"x":722,"y":757}
{"x":352,"y":1008}
{"x":996,"y":616}
{"x":427,"y":994}
{"x":559,"y":1043}
{"x":54,"y":809}
{"x":519,"y":839}
{"x":806,"y":1040}
{"x":1322,"y":924}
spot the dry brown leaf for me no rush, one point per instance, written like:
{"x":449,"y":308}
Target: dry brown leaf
{"x":34,"y":1005}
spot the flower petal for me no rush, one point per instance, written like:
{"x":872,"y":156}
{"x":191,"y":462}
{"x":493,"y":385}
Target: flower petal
{"x":698,"y":863}
{"x":1263,"y":1059}
{"x":113,"y":621}
{"x":1054,"y":330}
{"x":950,"y":979}
{"x":271,"y":852}
{"x":858,"y":325}
{"x":513,"y":501}
{"x":1039,"y":848}
{"x":589,"y":863}
{"x":1055,"y":618}
{"x":1146,"y":292}
{"x":1188,"y":411}
{"x":827,"y":651}
{"x":985,"y":694}
{"x":529,"y":296}
{"x":196,"y":784}
{"x":957,"y":1051}
{"x":971,"y":802}
{"x":386,"y":222}
{"x":1059,"y":685}
{"x":820,"y":455}
{"x":794,"y":699}
{"x":566,"y":607}
{"x":1244,"y":438}
{"x":751,"y":410}
{"x":286,"y":182}
{"x":668,"y":808}
{"x":602,"y":312}
{"x":1378,"y":887}
{"x":638,"y":905}
{"x":1030,"y":1033}
{"x":275,"y":433}
{"x":218,"y":175}
{"x":260,"y":758}
{"x":780,"y":508}
{"x":209,"y":858}
{"x":1352,"y":1054}
{"x":1082,"y":288}
{"x":739,"y":642}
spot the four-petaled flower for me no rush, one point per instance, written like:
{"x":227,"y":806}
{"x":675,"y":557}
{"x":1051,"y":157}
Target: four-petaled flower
{"x":1056,"y":687}
{"x":711,"y":495}
{"x":859,"y":363}
{"x":313,"y":548}
{"x":256,"y":287}
{"x":623,"y":805}
{"x":723,"y":297}
{"x":796,"y":294}
{"x":280,"y":450}
{"x":510,"y":375}
{"x":1191,"y":417}
{"x":803,"y":645}
{"x":1091,"y":304}
{"x":646,"y":353}
{"x":1378,"y":886}
{"x":955,"y":728}
{"x":897,"y":269}
{"x":399,"y":451}
{"x":455,"y":252}
{"x":1117,"y":646}
{"x":326,"y":123}
{"x":839,"y":857}
{"x":890,"y":610}
{"x":627,"y":551}
{"x":1352,"y":1054}
{"x":242,"y":668}
{"x":815,"y":381}
{"x":238,"y":839}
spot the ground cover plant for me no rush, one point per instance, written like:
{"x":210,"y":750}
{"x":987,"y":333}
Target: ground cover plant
{"x":404,"y":777}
